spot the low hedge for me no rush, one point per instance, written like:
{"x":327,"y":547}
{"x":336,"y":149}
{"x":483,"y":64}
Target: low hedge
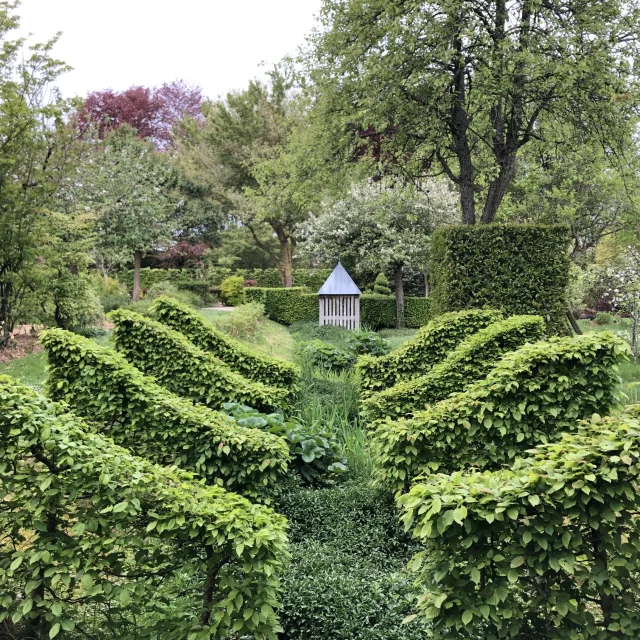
{"x":91,"y":531}
{"x":181,"y":367}
{"x":547,"y":549}
{"x":100,"y":385}
{"x":430,"y":346}
{"x":532,"y":394}
{"x":252,"y":365}
{"x":468,"y":362}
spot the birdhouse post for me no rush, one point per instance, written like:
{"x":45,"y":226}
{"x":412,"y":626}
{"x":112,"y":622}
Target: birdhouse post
{"x":340,"y":300}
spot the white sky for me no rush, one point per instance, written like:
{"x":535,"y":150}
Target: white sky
{"x":218,"y":44}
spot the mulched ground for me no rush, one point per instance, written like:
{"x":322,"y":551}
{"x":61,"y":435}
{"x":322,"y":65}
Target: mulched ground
{"x":22,"y":345}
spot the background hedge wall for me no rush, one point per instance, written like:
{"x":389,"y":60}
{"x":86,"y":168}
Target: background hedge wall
{"x":521,"y":269}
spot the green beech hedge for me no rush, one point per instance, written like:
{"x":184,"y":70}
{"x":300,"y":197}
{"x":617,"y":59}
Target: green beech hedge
{"x":431,"y":345}
{"x":181,"y":367}
{"x":532,"y":394}
{"x":90,"y":532}
{"x":252,"y":365}
{"x":468,"y":362}
{"x":100,"y":385}
{"x":521,"y":269}
{"x":547,"y":549}
{"x":417,"y":312}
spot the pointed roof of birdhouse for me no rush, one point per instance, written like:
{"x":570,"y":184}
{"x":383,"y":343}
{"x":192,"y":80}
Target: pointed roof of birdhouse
{"x":339,"y":283}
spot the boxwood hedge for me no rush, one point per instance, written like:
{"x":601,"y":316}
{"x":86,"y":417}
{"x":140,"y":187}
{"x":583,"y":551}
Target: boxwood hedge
{"x":100,"y":385}
{"x":252,"y":365}
{"x":468,"y":362}
{"x":90,"y":531}
{"x":177,"y":364}
{"x":547,"y":549}
{"x":532,"y":394}
{"x":431,"y":345}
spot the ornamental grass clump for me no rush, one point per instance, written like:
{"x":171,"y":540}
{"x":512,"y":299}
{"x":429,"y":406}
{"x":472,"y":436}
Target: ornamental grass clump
{"x":547,"y":549}
{"x":431,"y":345}
{"x":252,"y":365}
{"x":469,"y":361}
{"x":186,"y":370}
{"x":100,"y":385}
{"x":530,"y":396}
{"x":90,"y":532}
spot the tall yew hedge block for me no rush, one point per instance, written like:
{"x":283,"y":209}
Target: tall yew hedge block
{"x":520,"y":269}
{"x":91,"y":532}
{"x":101,"y":386}
{"x":177,"y":364}
{"x":530,"y":396}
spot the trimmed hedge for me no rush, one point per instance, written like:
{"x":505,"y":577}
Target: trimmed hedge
{"x":468,"y":362}
{"x":430,"y":346}
{"x":532,"y":394}
{"x":547,"y":549}
{"x":252,"y":365}
{"x":100,"y":385}
{"x":521,"y":269}
{"x":417,"y":312}
{"x":91,"y":531}
{"x":185,"y":370}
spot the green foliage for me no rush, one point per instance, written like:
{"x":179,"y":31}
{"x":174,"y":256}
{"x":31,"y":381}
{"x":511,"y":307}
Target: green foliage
{"x":547,"y":549}
{"x":92,"y":532}
{"x":137,"y":413}
{"x":250,"y":364}
{"x":367,"y":343}
{"x":377,"y":312}
{"x":417,"y":312}
{"x":431,"y":345}
{"x":149,"y":277}
{"x":231,"y":290}
{"x":531,"y":395}
{"x":381,"y":285}
{"x":315,"y":456}
{"x":184,"y":369}
{"x":325,"y":355}
{"x":471,"y":360}
{"x":603,"y":318}
{"x":112,"y":301}
{"x":245,"y":321}
{"x":170,"y":290}
{"x":521,"y":269}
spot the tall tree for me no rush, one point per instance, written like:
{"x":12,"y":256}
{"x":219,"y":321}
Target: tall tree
{"x":459,"y":87}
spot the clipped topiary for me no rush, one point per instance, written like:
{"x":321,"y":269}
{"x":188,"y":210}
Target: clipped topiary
{"x":252,"y":365}
{"x":381,"y":285}
{"x":431,"y":345}
{"x":100,"y":385}
{"x":532,"y":394}
{"x":92,"y":532}
{"x":181,"y":367}
{"x":468,"y":362}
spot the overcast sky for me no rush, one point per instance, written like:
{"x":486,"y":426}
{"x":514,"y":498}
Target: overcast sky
{"x":218,"y":44}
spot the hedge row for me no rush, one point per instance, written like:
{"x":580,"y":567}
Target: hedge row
{"x":431,"y":345}
{"x":252,"y":365}
{"x":100,"y":385}
{"x":521,"y":269}
{"x":91,"y":531}
{"x":185,"y":370}
{"x":531,"y":395}
{"x":547,"y":549}
{"x":468,"y":362}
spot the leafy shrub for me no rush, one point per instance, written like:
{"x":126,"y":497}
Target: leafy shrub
{"x":547,"y":549}
{"x":100,"y":385}
{"x":381,"y":285}
{"x":532,"y":394}
{"x":305,"y":331}
{"x":94,"y":531}
{"x":314,"y":455}
{"x":181,"y":367}
{"x":417,"y":312}
{"x":522,"y":269}
{"x":149,"y":277}
{"x":250,"y":364}
{"x":468,"y":362}
{"x":431,"y":345}
{"x":367,"y":343}
{"x":111,"y":302}
{"x":603,"y":318}
{"x":170,"y":290}
{"x":244,"y":321}
{"x":325,"y":355}
{"x":231,"y":290}
{"x":143,"y":307}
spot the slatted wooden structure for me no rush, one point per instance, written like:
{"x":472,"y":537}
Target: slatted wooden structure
{"x":340,"y":300}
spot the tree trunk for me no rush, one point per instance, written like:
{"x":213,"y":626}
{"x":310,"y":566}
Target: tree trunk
{"x":634,"y":332}
{"x":137,"y":260}
{"x":397,"y":277}
{"x":425,"y":274}
{"x":287,"y":246}
{"x":498,"y":188}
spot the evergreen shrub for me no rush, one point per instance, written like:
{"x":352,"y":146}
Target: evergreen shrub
{"x":430,"y":346}
{"x":468,"y":362}
{"x":531,"y":395}
{"x":100,"y":385}
{"x":91,"y":532}
{"x":381,"y":285}
{"x":231,"y":290}
{"x":184,"y":369}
